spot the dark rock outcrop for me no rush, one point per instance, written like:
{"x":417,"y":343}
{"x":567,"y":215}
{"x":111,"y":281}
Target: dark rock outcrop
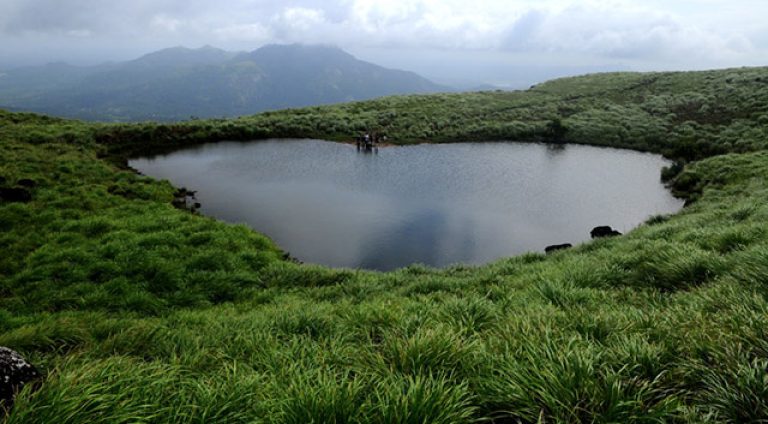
{"x":15,"y":373}
{"x":603,"y":231}
{"x":15,"y":194}
{"x":185,"y":199}
{"x":556,"y":247}
{"x":26,"y":182}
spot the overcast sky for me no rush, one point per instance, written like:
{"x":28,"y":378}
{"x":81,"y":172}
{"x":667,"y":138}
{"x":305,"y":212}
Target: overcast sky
{"x":504,"y":42}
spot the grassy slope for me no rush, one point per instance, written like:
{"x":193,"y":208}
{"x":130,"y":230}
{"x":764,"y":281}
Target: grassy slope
{"x":685,"y":116}
{"x":141,"y":312}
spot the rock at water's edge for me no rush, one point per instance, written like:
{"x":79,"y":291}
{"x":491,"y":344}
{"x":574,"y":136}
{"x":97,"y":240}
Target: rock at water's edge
{"x":603,"y":231}
{"x":556,"y":247}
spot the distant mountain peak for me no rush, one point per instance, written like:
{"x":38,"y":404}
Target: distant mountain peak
{"x":164,"y":52}
{"x":302,"y":47}
{"x":181,"y":55}
{"x":301,"y":51}
{"x":179,"y":82}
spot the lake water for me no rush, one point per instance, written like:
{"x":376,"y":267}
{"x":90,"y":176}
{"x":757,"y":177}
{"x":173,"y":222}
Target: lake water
{"x":327,"y":203}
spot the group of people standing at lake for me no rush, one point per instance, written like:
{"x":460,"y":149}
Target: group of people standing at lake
{"x":369,"y":140}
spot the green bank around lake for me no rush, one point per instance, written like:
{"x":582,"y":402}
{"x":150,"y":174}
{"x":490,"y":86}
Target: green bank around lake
{"x":137,"y":311}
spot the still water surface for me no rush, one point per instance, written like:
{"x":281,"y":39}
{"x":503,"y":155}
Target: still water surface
{"x":329,"y":204}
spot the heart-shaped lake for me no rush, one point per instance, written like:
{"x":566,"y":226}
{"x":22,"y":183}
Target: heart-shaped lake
{"x":329,"y":203}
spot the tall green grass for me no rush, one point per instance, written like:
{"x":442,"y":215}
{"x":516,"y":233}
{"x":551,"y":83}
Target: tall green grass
{"x":139,"y":312}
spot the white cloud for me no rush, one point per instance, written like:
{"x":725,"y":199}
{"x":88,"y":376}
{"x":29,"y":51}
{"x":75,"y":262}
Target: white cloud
{"x":79,"y":33}
{"x":165,"y":23}
{"x":299,"y":24}
{"x":632,"y":33}
{"x":254,"y":33}
{"x":303,"y":18}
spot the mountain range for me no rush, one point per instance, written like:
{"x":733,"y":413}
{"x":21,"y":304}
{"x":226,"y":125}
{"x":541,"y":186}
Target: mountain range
{"x":181,"y":83}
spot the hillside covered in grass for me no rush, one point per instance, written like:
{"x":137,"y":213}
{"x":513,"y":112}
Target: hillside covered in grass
{"x":137,"y":311}
{"x":684,"y":115}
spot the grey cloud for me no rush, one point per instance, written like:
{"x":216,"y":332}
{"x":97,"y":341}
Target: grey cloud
{"x":334,"y":12}
{"x":52,"y":16}
{"x":111,"y":17}
{"x":564,"y":32}
{"x":618,"y":34}
{"x":521,"y":35}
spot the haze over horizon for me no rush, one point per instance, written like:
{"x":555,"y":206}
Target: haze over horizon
{"x":505,"y":43}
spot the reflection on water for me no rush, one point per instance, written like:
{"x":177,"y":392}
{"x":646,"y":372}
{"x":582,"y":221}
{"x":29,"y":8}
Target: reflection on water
{"x":433,"y":204}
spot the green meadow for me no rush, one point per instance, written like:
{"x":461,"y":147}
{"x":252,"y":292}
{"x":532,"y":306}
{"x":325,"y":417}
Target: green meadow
{"x":136,"y":311}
